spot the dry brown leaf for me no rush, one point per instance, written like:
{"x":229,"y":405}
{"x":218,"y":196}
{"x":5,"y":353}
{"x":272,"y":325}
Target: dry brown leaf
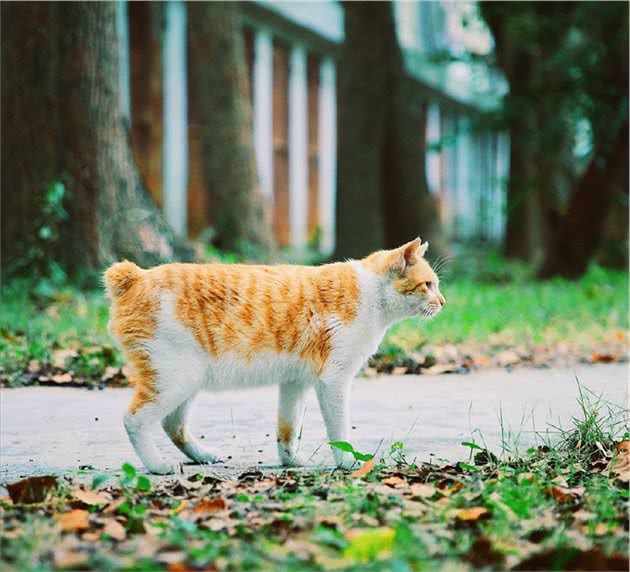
{"x":394,"y":481}
{"x":62,"y":378}
{"x":472,"y":513}
{"x":603,"y":358}
{"x":64,"y":558}
{"x":364,"y":469}
{"x":619,"y":465}
{"x":400,"y":370}
{"x":564,"y":495}
{"x":32,"y":490}
{"x":210,"y":506}
{"x":422,"y":490}
{"x":74,"y":520}
{"x":62,"y":358}
{"x":507,"y":357}
{"x":110,"y":373}
{"x":91,"y":498}
{"x":34,"y":366}
{"x":114,"y":529}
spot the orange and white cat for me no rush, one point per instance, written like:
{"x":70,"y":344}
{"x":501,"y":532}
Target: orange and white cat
{"x":187,"y":327}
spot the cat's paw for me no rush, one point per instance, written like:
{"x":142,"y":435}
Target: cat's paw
{"x":292,"y":460}
{"x":206,"y":458}
{"x":166,"y":468}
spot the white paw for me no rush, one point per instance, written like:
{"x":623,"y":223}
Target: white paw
{"x":292,"y":460}
{"x":166,"y":468}
{"x":206,"y":458}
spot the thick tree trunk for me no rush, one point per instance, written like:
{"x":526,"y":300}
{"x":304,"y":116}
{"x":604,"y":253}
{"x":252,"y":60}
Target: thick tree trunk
{"x":361,"y":128}
{"x":223,"y":109}
{"x":409,"y":208}
{"x":30,"y":124}
{"x":581,"y":228}
{"x":76,"y":108}
{"x":382,"y":198}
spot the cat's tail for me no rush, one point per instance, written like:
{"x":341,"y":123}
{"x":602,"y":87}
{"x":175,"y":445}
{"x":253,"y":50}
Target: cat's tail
{"x":120,"y":277}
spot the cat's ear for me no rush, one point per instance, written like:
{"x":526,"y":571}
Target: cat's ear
{"x":412,"y":252}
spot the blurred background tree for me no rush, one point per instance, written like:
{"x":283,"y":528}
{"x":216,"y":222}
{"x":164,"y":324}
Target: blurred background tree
{"x":326,"y":129}
{"x":72,"y":194}
{"x":567,"y":66}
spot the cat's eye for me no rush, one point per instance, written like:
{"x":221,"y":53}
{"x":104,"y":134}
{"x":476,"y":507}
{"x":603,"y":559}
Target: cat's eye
{"x":428,"y":285}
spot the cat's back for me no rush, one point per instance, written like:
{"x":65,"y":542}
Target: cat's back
{"x":238,"y":309}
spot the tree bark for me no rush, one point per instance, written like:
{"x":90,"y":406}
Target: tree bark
{"x":76,"y":109}
{"x":382,"y":198}
{"x":581,"y":228}
{"x":240,"y":217}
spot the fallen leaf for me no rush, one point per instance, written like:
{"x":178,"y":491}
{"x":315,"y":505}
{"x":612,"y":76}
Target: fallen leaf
{"x":394,"y":481}
{"x":365,"y":468}
{"x":368,"y":545}
{"x":564,"y":495}
{"x":91,"y":498}
{"x":114,"y":529}
{"x":400,"y":370}
{"x":210,"y":506}
{"x":370,"y":372}
{"x":34,"y":366}
{"x":603,"y":358}
{"x":32,"y":490}
{"x":62,"y":358}
{"x":63,"y":558}
{"x":110,"y":373}
{"x":62,"y":378}
{"x":473,"y":513}
{"x":422,"y":490}
{"x":507,"y":357}
{"x":74,"y":520}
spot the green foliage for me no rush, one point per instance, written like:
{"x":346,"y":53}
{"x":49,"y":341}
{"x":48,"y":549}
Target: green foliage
{"x":348,"y":448}
{"x":38,"y":259}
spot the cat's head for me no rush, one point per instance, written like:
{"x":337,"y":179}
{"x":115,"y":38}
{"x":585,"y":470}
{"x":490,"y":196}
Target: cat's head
{"x":411,"y":288}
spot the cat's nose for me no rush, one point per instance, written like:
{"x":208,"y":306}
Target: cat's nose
{"x":441,"y":300}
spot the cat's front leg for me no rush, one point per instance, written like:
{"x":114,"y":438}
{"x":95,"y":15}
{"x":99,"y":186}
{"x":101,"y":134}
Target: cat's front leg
{"x":334,"y":402}
{"x":290,"y":419}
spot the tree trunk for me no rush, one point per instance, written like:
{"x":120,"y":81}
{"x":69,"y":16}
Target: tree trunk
{"x":30,"y":124}
{"x":409,"y":208}
{"x":361,"y":128}
{"x":219,"y":79}
{"x":383,"y":198}
{"x":581,"y":228}
{"x":75,"y":110}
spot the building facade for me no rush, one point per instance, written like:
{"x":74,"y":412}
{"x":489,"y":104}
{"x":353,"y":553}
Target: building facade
{"x":292,"y":49}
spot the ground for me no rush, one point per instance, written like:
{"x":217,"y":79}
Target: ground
{"x":53,"y":430}
{"x":561,"y":505}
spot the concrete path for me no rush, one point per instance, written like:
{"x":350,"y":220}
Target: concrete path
{"x":47,"y":429}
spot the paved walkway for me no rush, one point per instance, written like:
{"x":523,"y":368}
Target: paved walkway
{"x":51,"y":429}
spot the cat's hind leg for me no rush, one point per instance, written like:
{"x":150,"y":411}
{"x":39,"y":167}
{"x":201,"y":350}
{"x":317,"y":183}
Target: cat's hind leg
{"x":176,"y":427}
{"x":144,"y":414}
{"x":291,"y":408}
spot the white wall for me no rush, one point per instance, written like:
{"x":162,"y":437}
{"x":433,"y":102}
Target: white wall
{"x":327,"y":153}
{"x":175,"y":143}
{"x":298,"y":147}
{"x":263,"y":110}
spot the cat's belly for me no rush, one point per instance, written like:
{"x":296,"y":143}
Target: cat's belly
{"x":235,"y":372}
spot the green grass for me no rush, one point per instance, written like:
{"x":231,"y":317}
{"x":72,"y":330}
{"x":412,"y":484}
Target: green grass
{"x":524,"y":312}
